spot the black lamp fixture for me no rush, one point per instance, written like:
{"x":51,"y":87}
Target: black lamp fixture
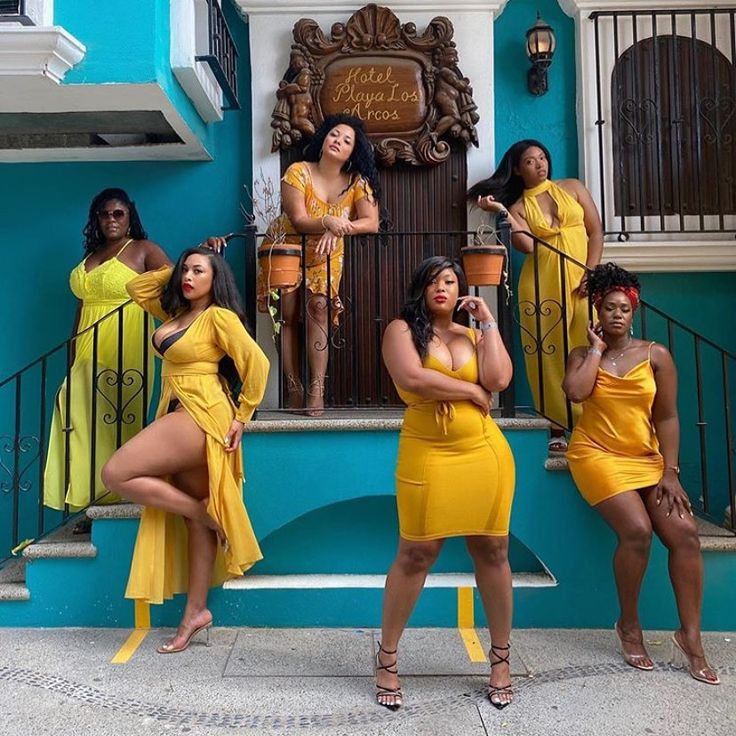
{"x":540,"y":47}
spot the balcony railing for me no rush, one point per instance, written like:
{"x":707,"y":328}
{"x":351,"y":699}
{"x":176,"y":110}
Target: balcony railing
{"x":222,"y":55}
{"x":116,"y":398}
{"x":666,"y":90}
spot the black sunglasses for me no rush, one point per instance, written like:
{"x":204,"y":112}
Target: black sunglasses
{"x":115,"y":214}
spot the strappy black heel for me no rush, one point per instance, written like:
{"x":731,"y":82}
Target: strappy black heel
{"x":493,"y":690}
{"x":382,"y":692}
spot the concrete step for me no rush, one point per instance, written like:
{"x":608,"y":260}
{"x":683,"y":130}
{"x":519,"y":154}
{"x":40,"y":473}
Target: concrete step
{"x":61,"y":543}
{"x":715,"y":538}
{"x":13,"y":581}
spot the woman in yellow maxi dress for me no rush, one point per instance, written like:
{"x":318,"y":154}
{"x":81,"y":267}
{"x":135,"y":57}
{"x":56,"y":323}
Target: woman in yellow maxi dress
{"x":553,"y":308}
{"x":117,"y":378}
{"x":186,"y":467}
{"x":455,"y":470}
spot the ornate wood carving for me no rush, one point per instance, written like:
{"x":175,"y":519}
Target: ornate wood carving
{"x":405,"y":86}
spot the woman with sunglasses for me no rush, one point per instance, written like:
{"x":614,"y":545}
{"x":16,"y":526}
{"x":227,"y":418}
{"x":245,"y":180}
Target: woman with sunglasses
{"x":108,"y":363}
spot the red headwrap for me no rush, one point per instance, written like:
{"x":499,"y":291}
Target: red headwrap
{"x":629,"y":291}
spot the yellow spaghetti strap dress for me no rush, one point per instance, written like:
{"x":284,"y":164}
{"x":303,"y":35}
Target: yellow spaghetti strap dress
{"x":159,"y":568}
{"x":614,"y":447}
{"x":571,"y":238}
{"x":299,"y":177}
{"x":455,"y":471}
{"x":101,"y":291}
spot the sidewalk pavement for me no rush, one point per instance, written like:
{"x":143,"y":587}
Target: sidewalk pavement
{"x":315,"y":682}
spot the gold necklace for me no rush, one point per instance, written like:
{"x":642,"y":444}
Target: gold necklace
{"x":613,"y":360}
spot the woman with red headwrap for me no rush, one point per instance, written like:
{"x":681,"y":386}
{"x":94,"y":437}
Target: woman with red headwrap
{"x":623,"y":456}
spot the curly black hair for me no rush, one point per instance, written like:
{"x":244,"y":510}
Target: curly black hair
{"x":224,"y":294}
{"x":504,"y":185}
{"x":609,"y":276}
{"x":415,"y":312}
{"x":362,"y":161}
{"x":93,"y":237}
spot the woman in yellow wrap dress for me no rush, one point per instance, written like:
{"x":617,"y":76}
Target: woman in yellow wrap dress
{"x":186,"y":467}
{"x":623,"y":456}
{"x":564,"y":215}
{"x":455,"y":471}
{"x":116,"y":251}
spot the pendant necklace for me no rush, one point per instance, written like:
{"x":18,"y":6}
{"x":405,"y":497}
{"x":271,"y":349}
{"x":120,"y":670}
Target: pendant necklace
{"x":617,"y":357}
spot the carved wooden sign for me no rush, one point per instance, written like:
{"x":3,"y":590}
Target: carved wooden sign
{"x":407,"y":88}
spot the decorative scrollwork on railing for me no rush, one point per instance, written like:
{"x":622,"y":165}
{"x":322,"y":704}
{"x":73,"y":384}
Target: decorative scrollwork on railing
{"x":640,"y":116}
{"x":121,"y":381}
{"x":23,"y":445}
{"x":545,"y":310}
{"x":718,"y":115}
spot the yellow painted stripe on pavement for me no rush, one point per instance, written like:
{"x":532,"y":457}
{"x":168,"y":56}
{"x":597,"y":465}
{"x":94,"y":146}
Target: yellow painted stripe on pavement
{"x":466,"y":627}
{"x":142,"y":619}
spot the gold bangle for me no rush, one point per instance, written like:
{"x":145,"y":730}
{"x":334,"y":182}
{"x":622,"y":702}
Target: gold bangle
{"x":322,"y":221}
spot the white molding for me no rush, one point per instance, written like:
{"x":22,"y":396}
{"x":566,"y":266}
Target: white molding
{"x":259,"y":7}
{"x":19,"y":94}
{"x":30,"y":51}
{"x":573,"y":7}
{"x":673,"y":257}
{"x":195,"y":77}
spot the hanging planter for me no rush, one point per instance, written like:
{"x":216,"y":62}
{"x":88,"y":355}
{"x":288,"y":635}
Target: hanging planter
{"x":280,"y":264}
{"x":483,"y":264}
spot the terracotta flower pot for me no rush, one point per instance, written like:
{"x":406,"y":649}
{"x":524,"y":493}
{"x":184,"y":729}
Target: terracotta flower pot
{"x":280,"y":264}
{"x":483,"y":264}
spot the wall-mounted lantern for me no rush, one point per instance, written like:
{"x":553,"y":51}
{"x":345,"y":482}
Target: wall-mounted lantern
{"x":540,"y":47}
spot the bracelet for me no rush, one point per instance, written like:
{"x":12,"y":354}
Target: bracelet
{"x":676,"y":468}
{"x":322,"y":221}
{"x":595,"y":351}
{"x":483,"y":326}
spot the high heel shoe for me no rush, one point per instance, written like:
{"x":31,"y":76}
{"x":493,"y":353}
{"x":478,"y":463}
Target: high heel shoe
{"x":386,"y":692}
{"x":169,"y":649}
{"x":316,"y":389}
{"x":680,"y":657}
{"x":638,"y":661}
{"x":494,"y":691}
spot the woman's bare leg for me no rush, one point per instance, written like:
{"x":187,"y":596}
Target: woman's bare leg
{"x":317,"y":351}
{"x":627,"y":515}
{"x":680,"y":537}
{"x":404,"y":583}
{"x":290,"y":308}
{"x":493,"y":577}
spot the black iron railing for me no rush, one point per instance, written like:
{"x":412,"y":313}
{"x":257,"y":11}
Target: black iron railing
{"x":222,"y":55}
{"x":666,"y":94}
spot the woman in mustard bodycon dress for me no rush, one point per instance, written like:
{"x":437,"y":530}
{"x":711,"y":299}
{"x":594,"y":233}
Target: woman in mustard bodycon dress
{"x":186,"y":467}
{"x":455,"y":471}
{"x":563,"y":214}
{"x":623,"y":456}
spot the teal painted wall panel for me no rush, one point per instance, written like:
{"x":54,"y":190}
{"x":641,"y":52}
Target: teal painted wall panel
{"x":120,"y":39}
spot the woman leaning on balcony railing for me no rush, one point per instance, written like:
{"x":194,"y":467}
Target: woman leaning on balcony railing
{"x":563,"y":214}
{"x":623,"y":457}
{"x":332,"y":193}
{"x":116,"y":251}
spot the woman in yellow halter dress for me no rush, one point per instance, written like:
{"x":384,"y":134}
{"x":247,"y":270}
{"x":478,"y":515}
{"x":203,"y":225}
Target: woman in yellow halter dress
{"x":553,"y":310}
{"x":117,"y":251}
{"x":455,"y":471}
{"x":623,"y":456}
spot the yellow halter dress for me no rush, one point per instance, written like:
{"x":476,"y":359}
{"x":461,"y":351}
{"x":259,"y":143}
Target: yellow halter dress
{"x":455,"y":471}
{"x":117,"y":416}
{"x":614,"y":447}
{"x":545,"y":344}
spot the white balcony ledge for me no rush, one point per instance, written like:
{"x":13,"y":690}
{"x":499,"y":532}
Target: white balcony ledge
{"x":30,"y":51}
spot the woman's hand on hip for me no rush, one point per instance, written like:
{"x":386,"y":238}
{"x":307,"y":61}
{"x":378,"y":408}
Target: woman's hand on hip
{"x":233,"y":436}
{"x":670,"y":492}
{"x":476,"y":307}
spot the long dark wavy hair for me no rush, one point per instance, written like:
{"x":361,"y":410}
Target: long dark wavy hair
{"x":93,"y":237}
{"x":224,"y":294}
{"x":504,"y":185}
{"x":607,"y":276}
{"x":362,"y":161}
{"x":415,"y":312}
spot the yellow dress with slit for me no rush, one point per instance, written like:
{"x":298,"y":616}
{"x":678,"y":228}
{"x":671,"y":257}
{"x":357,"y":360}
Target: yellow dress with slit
{"x":299,"y":177}
{"x":614,"y":447}
{"x":121,"y":397}
{"x":455,"y":471}
{"x":547,"y":341}
{"x":189,"y":373}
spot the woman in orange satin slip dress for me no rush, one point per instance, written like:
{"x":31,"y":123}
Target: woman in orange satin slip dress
{"x":623,"y":456}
